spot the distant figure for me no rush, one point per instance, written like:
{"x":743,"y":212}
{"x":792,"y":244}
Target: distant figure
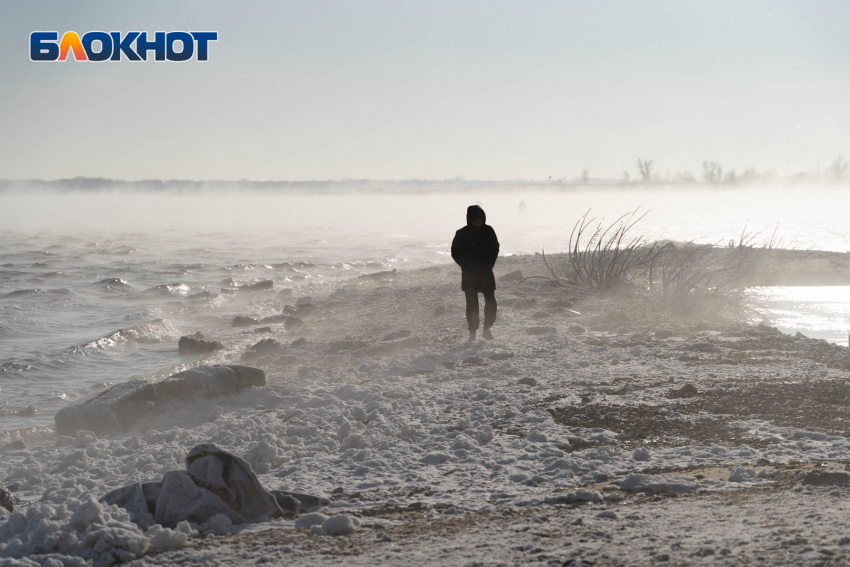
{"x":522,"y":206}
{"x":475,"y":249}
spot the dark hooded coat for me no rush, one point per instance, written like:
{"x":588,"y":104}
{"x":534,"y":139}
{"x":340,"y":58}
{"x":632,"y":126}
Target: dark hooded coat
{"x":475,"y":249}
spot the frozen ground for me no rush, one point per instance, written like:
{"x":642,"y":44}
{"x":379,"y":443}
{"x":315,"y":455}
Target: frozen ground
{"x":617,"y":436}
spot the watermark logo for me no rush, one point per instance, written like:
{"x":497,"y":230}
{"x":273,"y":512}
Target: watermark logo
{"x":115,"y":46}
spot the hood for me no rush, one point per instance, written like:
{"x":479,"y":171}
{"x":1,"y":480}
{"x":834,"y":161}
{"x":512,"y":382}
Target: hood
{"x":475,"y":212}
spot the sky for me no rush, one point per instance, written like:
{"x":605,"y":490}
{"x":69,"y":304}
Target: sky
{"x":399,"y":90}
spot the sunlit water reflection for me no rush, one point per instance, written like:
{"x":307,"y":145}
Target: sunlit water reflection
{"x":821,"y":312}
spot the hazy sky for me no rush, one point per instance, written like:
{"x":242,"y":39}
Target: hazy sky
{"x":432,"y":89}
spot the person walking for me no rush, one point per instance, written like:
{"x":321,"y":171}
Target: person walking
{"x":475,"y":248}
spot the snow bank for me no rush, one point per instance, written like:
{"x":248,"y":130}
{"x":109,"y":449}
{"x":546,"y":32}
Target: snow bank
{"x":86,"y":530}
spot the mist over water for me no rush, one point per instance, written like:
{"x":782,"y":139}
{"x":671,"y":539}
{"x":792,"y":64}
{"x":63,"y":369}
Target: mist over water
{"x":808,"y":217}
{"x":96,"y":288}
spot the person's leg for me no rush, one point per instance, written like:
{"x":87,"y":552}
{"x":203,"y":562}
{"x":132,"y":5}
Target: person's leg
{"x":489,"y":308}
{"x":472,"y":310}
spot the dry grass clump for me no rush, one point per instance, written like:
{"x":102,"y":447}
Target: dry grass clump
{"x":689,"y":279}
{"x":604,"y":256}
{"x":701,"y":280}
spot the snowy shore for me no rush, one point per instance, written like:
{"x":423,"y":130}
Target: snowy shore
{"x":615,"y":436}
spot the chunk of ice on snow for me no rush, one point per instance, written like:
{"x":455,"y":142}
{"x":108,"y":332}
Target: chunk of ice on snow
{"x":308,"y":520}
{"x":340,"y":524}
{"x":640,"y":454}
{"x":742,"y":474}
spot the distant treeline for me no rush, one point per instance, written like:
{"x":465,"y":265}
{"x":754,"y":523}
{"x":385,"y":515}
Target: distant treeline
{"x":712,"y":174}
{"x":189,"y":186}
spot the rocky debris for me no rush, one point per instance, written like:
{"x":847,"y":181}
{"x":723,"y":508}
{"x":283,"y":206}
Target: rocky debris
{"x":292,"y":323}
{"x":259,"y":286}
{"x":301,"y":310}
{"x":663,"y":334}
{"x":576,"y":329}
{"x":473,"y":361}
{"x":303,"y":300}
{"x":527,"y":381}
{"x":215,"y":482}
{"x":514,"y":276}
{"x":29,"y":411}
{"x":123,"y":405}
{"x":298,"y":343}
{"x":16,"y":445}
{"x":686,"y":391}
{"x":6,"y":500}
{"x":262,"y":348}
{"x":824,"y":477}
{"x":263,"y":330}
{"x":285,"y":292}
{"x":195,"y":344}
{"x":525,"y":303}
{"x":440,"y":310}
{"x":244,"y":322}
{"x":274,"y":319}
{"x":541,"y":330}
{"x":297,"y":503}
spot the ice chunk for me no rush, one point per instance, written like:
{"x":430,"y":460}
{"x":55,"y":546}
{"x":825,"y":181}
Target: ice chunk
{"x":351,"y":441}
{"x":131,"y":498}
{"x":231,"y":479}
{"x":536,"y":436}
{"x":828,"y":476}
{"x":641,"y":454}
{"x":340,"y":524}
{"x":6,"y":500}
{"x":164,"y":538}
{"x":181,"y":499}
{"x":742,"y":474}
{"x":219,"y":522}
{"x":308,"y":520}
{"x":434,"y":458}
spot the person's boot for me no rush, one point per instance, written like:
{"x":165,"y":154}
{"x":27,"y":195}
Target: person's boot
{"x":472,"y":335}
{"x":487,"y":334}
